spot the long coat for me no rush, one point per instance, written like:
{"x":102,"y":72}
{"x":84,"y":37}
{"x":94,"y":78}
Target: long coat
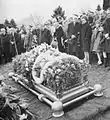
{"x":59,"y":35}
{"x":86,"y":33}
{"x":106,"y":27}
{"x":96,"y":45}
{"x":5,"y":45}
{"x":73,"y":29}
{"x":106,"y":4}
{"x":28,"y":41}
{"x":46,"y":36}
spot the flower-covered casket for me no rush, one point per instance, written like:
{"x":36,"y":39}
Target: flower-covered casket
{"x":57,"y":78}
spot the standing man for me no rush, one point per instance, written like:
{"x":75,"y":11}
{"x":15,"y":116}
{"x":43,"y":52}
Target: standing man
{"x":73,"y":32}
{"x":106,"y":4}
{"x":86,"y":33}
{"x":5,"y":45}
{"x":106,"y":26}
{"x":28,"y":39}
{"x":60,"y":37}
{"x":46,"y":35}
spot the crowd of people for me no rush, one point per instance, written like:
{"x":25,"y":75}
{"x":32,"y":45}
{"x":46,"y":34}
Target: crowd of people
{"x":85,"y":36}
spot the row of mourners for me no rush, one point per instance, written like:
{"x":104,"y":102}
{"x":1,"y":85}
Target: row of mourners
{"x":77,"y":36}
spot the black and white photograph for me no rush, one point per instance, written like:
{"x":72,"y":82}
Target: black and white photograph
{"x":54,"y":59}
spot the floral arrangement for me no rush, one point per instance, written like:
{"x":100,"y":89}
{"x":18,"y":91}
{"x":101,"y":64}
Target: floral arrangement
{"x":63,"y":74}
{"x":40,"y":62}
{"x":57,"y":71}
{"x":23,"y":63}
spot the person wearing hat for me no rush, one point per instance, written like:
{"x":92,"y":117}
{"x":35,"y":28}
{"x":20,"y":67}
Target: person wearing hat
{"x":86,"y":33}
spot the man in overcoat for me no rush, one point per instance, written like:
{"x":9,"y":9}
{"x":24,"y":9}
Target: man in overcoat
{"x":60,"y":36}
{"x":106,"y":27}
{"x":4,"y":45}
{"x":73,"y":32}
{"x":46,"y":35}
{"x":86,"y":33}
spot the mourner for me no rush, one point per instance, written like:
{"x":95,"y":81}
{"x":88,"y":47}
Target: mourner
{"x":46,"y":35}
{"x":106,"y":26}
{"x":97,"y":45}
{"x":5,"y":46}
{"x":28,"y":38}
{"x":86,"y":32}
{"x":71,"y":35}
{"x":60,"y":36}
{"x":14,"y":39}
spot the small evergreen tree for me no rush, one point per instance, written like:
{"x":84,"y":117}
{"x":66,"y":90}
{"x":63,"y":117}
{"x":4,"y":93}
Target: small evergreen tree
{"x":98,"y":8}
{"x":59,"y":13}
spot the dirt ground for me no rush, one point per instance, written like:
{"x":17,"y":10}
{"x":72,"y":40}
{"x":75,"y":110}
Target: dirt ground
{"x":97,"y":75}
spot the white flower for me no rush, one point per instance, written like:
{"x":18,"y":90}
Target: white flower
{"x":23,"y":116}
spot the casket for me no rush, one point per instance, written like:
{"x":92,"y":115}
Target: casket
{"x":58,"y":79}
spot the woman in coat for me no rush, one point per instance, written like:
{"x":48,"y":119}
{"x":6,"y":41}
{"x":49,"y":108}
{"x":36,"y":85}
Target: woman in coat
{"x":86,"y":32}
{"x":96,"y":42}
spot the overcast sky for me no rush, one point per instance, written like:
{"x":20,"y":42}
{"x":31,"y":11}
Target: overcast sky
{"x":19,"y":9}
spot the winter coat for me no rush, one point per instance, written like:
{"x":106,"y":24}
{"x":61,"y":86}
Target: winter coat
{"x":60,"y":36}
{"x":96,"y":45}
{"x":46,"y":36}
{"x":14,"y":44}
{"x":86,"y":33}
{"x":106,"y":27}
{"x":4,"y":44}
{"x":73,"y":29}
{"x":28,"y":41}
{"x":106,"y":4}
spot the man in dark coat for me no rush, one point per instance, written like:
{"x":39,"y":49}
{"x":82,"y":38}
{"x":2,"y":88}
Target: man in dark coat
{"x":28,"y":39}
{"x":5,"y":45}
{"x":60,"y":36}
{"x":106,"y":27}
{"x":46,"y":35}
{"x":74,"y":29}
{"x":15,"y":40}
{"x":106,"y":4}
{"x":86,"y":33}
